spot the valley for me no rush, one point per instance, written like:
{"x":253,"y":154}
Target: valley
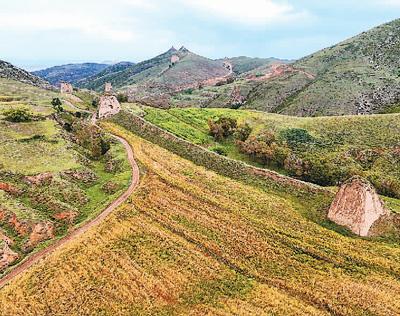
{"x":189,"y":185}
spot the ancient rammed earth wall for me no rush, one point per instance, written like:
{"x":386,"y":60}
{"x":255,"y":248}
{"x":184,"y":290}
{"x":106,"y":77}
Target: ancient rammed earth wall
{"x":225,"y":166}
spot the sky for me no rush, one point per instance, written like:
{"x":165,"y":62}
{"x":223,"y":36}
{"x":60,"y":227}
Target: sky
{"x":36,"y":34}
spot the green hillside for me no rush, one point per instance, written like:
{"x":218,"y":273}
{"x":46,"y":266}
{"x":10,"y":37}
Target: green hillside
{"x":11,"y":72}
{"x":357,"y":76}
{"x":158,"y":71}
{"x":326,"y":150}
{"x":51,"y":177}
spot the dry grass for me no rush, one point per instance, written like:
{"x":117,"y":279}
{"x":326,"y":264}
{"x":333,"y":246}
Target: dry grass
{"x":190,"y":242}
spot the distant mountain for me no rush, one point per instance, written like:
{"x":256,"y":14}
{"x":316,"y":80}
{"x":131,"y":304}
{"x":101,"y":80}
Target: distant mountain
{"x":358,"y":76}
{"x":71,"y":73}
{"x":9,"y":71}
{"x":189,"y":70}
{"x":97,"y":81}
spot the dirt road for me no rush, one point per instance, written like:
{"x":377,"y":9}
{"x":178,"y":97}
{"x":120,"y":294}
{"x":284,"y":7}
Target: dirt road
{"x":79,"y":231}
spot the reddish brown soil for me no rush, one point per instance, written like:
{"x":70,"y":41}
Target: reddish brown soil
{"x":278,"y":70}
{"x":81,"y":230}
{"x":39,"y":179}
{"x":6,"y":187}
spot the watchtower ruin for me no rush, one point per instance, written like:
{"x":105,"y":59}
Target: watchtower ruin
{"x":66,"y":87}
{"x":174,"y":59}
{"x":108,"y":87}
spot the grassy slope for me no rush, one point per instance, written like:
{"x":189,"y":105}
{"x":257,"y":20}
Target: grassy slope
{"x":361,"y":65}
{"x":368,"y":131}
{"x":340,"y":135}
{"x":38,"y":147}
{"x":193,"y":242}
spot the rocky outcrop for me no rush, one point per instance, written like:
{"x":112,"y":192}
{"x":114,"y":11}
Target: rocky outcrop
{"x":357,"y":206}
{"x":381,"y":98}
{"x":6,"y":187}
{"x":40,"y":232}
{"x":8,"y":71}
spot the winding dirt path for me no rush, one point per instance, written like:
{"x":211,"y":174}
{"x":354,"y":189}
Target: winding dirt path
{"x":79,"y":231}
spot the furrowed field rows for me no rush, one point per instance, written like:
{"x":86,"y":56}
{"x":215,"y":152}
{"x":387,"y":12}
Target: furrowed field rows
{"x":192,"y":242}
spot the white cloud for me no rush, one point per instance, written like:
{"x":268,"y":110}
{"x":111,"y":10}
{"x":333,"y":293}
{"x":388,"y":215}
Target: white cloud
{"x":91,"y":21}
{"x":251,"y":12}
{"x":393,"y":3}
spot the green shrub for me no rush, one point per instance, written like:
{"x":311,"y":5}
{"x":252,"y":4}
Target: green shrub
{"x":219,"y":150}
{"x":18,"y":115}
{"x":222,"y":127}
{"x":57,"y":105}
{"x":297,"y":136}
{"x":122,"y":98}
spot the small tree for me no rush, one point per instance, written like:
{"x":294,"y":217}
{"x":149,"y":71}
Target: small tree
{"x":57,"y":105}
{"x":122,"y":98}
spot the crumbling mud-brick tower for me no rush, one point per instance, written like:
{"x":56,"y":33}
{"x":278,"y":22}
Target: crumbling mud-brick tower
{"x":357,"y":206}
{"x":66,"y":87}
{"x":174,"y":59}
{"x":108,"y":87}
{"x":108,"y":103}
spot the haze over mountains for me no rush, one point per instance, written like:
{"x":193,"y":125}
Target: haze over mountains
{"x":71,"y":73}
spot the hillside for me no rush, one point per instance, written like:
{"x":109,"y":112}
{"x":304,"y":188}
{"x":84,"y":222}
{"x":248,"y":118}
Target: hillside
{"x":71,"y":73}
{"x":51,"y":177}
{"x":192,"y":242}
{"x":244,"y":64}
{"x":154,"y":80}
{"x":357,"y":76}
{"x":9,"y":71}
{"x":325,"y":151}
{"x":97,"y":81}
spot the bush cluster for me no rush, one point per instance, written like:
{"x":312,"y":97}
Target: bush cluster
{"x":18,"y":116}
{"x":222,"y":127}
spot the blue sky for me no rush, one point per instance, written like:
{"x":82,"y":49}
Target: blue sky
{"x":39,"y":33}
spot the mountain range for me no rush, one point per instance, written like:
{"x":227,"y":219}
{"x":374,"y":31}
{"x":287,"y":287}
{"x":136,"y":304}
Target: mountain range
{"x":70,"y":73}
{"x":358,"y":76}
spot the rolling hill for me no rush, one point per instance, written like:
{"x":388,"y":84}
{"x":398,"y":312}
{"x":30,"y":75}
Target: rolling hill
{"x":49,"y":180}
{"x":190,"y":69}
{"x":71,"y":73}
{"x":358,"y":76}
{"x":192,"y":242}
{"x":11,"y":72}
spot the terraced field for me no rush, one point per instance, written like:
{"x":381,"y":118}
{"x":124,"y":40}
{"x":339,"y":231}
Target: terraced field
{"x":191,"y":242}
{"x":49,"y":183}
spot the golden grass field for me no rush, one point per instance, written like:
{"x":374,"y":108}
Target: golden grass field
{"x":191,"y":242}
